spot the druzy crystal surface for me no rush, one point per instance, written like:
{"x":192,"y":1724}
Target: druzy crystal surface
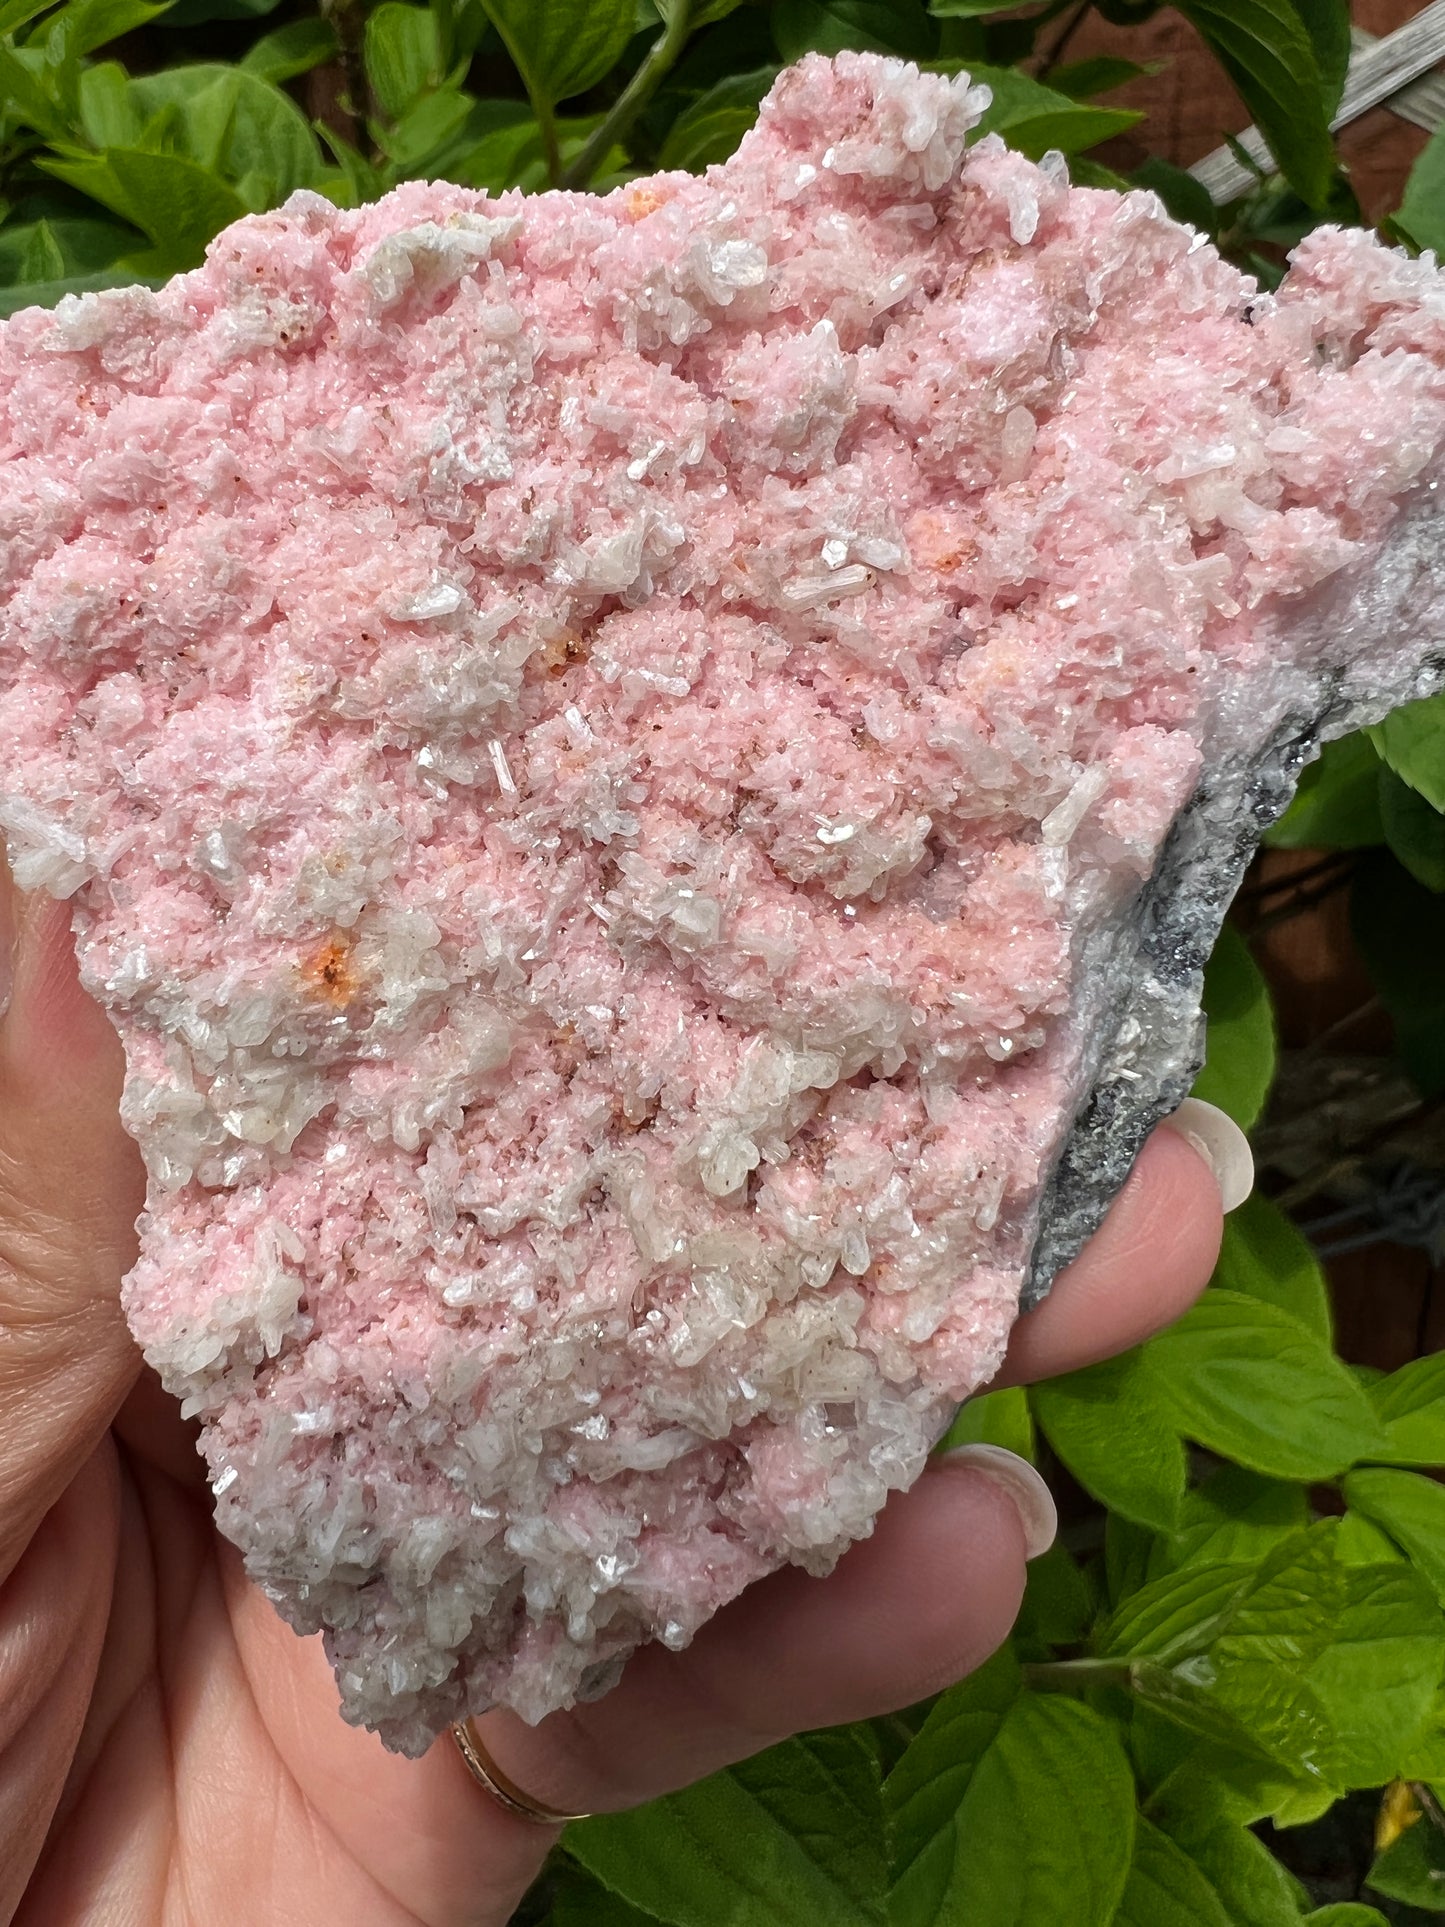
{"x":646,"y":780}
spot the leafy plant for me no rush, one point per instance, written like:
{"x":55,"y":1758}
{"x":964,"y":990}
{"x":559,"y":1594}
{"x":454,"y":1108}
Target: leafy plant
{"x":1241,"y":1636}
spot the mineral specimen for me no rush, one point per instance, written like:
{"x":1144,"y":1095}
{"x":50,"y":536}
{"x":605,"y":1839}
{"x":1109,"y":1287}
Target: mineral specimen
{"x":647,"y":780}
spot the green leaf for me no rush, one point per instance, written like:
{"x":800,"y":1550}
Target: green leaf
{"x":1264,"y":48}
{"x":831,"y":26}
{"x":1399,"y":930}
{"x":1114,"y":1432}
{"x":924,"y":1794}
{"x":1184,"y":197}
{"x":1412,"y":1869}
{"x":1337,"y":804}
{"x":994,"y":1418}
{"x":239,"y":130}
{"x":179,"y":204}
{"x":1235,"y":1515}
{"x":702,"y":13}
{"x":58,"y":246}
{"x":290,"y":50}
{"x":15,"y":13}
{"x":1412,"y":1510}
{"x":83,"y":25}
{"x":1410,"y":1405}
{"x":191,"y":13}
{"x":1346,"y":1913}
{"x":1166,"y":1888}
{"x":1331,"y":1668}
{"x":1194,"y":1707}
{"x":402,"y":51}
{"x":1264,"y":1256}
{"x":1128,"y":1550}
{"x":42,"y":259}
{"x":966,"y":9}
{"x":1255,"y":1889}
{"x":710,"y":129}
{"x":1252,"y":1383}
{"x":1178,"y":1614}
{"x":513,"y":155}
{"x":1058,"y":1602}
{"x":1422,"y":212}
{"x":1034,"y":119}
{"x":580,"y":1901}
{"x":28,"y":95}
{"x":1414,"y":829}
{"x":1423,"y":1757}
{"x":110,"y":115}
{"x":1063,"y":1767}
{"x":501,"y":158}
{"x":1240,"y":1056}
{"x":1083,"y":79}
{"x":1327,"y":23}
{"x":1360,"y":1542}
{"x":1262,"y":1656}
{"x":45,"y":294}
{"x":790,"y":1838}
{"x":1412,"y":741}
{"x":427,"y":130}
{"x":563,"y":47}
{"x":1378,"y":1675}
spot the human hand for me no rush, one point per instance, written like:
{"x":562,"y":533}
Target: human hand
{"x":171,"y":1752}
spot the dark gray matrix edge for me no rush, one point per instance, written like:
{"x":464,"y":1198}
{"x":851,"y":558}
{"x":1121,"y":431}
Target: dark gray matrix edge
{"x":1372,"y":641}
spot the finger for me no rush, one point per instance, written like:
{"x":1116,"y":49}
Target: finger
{"x":1145,"y":1265}
{"x":71,"y":1187}
{"x":921,"y":1603}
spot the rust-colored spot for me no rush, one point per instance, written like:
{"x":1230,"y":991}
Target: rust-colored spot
{"x":565,"y":648}
{"x":642,"y":201}
{"x":328,"y":970}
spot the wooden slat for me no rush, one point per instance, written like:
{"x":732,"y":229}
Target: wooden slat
{"x":1387,"y":71}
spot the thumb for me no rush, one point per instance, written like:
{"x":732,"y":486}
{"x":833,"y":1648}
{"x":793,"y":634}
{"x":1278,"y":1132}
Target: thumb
{"x":71,"y":1186}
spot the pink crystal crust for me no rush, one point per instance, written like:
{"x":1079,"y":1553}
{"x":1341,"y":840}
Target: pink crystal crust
{"x":598,"y":746}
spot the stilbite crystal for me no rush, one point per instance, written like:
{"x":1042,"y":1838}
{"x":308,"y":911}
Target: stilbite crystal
{"x":647,"y":780}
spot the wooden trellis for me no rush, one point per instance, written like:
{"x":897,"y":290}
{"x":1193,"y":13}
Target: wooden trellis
{"x":1395,"y":71}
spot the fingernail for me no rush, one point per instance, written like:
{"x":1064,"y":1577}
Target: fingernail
{"x":1222,"y":1145}
{"x":1031,"y":1498}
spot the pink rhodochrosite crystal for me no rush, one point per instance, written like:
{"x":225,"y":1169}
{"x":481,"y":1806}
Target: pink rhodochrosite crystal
{"x":646,"y":780}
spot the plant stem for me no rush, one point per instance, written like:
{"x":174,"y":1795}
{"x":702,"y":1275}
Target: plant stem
{"x":354,"y":102}
{"x":1073,"y":1675}
{"x":547,"y":124}
{"x":619,"y":118}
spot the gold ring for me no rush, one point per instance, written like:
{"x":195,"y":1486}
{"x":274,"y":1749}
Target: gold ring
{"x":507,"y":1794}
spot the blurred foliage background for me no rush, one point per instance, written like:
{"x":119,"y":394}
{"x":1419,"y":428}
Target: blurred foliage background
{"x":1223,"y":1705}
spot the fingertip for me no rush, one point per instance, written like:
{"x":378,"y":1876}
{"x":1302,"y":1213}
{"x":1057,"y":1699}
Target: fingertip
{"x":1145,"y":1265}
{"x":920,"y":1603}
{"x":1020,"y":1482}
{"x":1223,"y":1146}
